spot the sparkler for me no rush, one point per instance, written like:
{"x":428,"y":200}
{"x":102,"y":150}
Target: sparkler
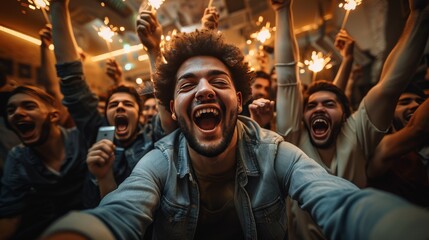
{"x":348,"y":6}
{"x":317,"y":62}
{"x":155,"y":4}
{"x":42,"y":5}
{"x":264,"y":34}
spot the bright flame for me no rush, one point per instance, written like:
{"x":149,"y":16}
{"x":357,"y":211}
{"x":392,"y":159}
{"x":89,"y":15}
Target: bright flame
{"x":264,"y":34}
{"x":139,"y":81}
{"x":317,"y":62}
{"x":106,"y":33}
{"x":350,"y":4}
{"x":41,"y":3}
{"x":156,"y":3}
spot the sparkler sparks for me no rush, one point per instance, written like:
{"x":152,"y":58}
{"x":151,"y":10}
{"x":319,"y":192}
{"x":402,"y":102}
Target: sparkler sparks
{"x":348,"y":6}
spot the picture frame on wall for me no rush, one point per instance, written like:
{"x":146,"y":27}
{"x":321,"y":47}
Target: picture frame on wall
{"x":7,"y":65}
{"x":24,"y":70}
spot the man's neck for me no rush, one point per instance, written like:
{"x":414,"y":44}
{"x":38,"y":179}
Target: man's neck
{"x":52,"y":152}
{"x":215,"y":165}
{"x":327,"y":154}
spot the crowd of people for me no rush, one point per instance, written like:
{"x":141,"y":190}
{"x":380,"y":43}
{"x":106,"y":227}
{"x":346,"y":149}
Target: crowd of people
{"x":214,"y":150}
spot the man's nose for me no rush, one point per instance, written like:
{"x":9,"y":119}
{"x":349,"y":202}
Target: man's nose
{"x":204,"y":91}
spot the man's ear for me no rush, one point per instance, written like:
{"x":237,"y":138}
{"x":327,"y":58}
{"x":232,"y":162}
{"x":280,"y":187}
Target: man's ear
{"x":239,"y":102}
{"x":54,"y":116}
{"x":173,"y":113}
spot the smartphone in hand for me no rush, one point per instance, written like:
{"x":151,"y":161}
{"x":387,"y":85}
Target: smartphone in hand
{"x":106,"y":132}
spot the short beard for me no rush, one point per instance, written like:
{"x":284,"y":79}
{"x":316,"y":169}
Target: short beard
{"x":211,"y":151}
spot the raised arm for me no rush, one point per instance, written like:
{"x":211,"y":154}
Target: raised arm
{"x":401,"y":63}
{"x":62,"y":32}
{"x":289,"y":102}
{"x":48,"y":78}
{"x":345,"y":44}
{"x":78,"y":98}
{"x":149,"y":31}
{"x":410,"y":138}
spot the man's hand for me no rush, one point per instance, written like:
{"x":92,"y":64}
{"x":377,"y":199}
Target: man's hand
{"x":344,"y":43}
{"x":114,"y":71}
{"x":262,"y":111}
{"x":210,"y":19}
{"x":149,"y":30}
{"x":46,"y":35}
{"x":100,"y":158}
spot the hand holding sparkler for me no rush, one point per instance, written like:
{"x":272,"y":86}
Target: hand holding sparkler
{"x":46,"y":35}
{"x":149,"y":30}
{"x":210,"y":19}
{"x":344,"y":43}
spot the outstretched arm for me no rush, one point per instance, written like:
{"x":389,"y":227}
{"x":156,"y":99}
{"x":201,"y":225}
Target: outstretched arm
{"x":289,"y":102}
{"x":345,"y":44}
{"x":381,"y":100}
{"x":410,"y":138}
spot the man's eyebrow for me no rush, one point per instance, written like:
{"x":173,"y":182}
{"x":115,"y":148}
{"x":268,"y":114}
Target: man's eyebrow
{"x":210,"y":74}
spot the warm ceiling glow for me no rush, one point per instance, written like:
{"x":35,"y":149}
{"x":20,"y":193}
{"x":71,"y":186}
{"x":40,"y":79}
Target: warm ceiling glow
{"x":20,"y":35}
{"x":116,"y":53}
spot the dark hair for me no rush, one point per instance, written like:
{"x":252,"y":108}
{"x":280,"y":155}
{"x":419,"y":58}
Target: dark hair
{"x":123,"y":89}
{"x":199,"y":43}
{"x":261,"y":74}
{"x":414,"y":88}
{"x":323,"y":85}
{"x":36,"y":92}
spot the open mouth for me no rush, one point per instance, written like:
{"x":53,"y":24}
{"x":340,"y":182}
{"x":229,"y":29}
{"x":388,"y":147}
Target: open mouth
{"x":25,"y":129}
{"x":319,"y":126}
{"x":121,"y":124}
{"x":207,"y":118}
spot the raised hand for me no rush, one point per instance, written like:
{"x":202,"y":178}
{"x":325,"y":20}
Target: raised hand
{"x":114,"y":71}
{"x":100,"y":159}
{"x":262,"y":111}
{"x":344,"y":43}
{"x":149,"y":30}
{"x":46,"y":35}
{"x":210,"y":19}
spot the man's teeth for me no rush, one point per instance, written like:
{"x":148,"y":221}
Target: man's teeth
{"x":207,"y":110}
{"x":319,"y":121}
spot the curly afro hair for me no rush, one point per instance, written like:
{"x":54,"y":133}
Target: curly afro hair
{"x":200,"y":43}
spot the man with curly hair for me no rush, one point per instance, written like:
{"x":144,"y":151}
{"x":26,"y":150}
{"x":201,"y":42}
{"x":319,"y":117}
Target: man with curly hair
{"x":221,"y":176}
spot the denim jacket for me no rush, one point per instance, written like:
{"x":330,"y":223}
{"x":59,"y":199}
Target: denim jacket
{"x":162,"y":190}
